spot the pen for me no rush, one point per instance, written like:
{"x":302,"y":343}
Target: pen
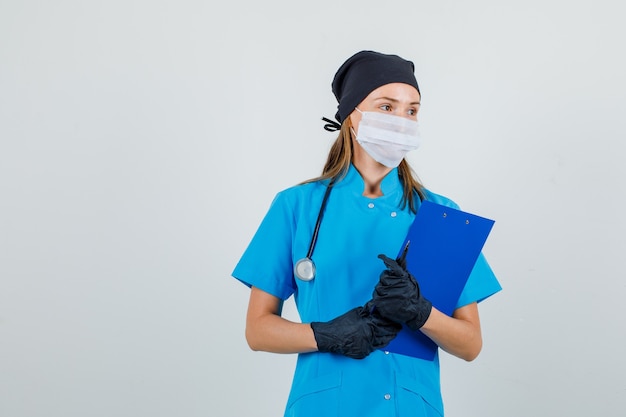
{"x":402,"y":258}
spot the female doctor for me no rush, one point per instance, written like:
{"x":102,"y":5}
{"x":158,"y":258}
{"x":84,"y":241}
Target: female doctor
{"x":325,"y":242}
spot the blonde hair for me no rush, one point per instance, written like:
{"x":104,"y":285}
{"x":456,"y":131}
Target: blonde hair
{"x":339,"y":160}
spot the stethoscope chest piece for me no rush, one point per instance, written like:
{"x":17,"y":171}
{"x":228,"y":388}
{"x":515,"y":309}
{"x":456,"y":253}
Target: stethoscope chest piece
{"x":304,"y":269}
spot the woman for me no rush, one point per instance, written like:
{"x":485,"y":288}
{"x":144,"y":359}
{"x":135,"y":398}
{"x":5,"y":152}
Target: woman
{"x":350,"y":303}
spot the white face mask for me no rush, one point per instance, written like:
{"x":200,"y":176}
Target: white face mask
{"x":387,"y":138}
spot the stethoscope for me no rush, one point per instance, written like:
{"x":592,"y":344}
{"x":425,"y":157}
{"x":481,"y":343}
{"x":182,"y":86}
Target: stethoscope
{"x":305,"y":268}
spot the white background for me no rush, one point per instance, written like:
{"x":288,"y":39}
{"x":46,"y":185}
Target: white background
{"x":141,"y":143}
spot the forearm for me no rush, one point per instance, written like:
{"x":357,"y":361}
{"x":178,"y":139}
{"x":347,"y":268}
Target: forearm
{"x":459,"y":335}
{"x":272,"y":333}
{"x":266,"y":330}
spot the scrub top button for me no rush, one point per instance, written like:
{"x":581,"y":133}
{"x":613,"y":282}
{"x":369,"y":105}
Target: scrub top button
{"x":394,"y":214}
{"x":370,"y":205}
{"x":387,"y":396}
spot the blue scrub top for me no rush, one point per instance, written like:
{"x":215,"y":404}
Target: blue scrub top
{"x":354,"y":230}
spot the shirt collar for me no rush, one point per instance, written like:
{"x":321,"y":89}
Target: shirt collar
{"x":353,"y":179}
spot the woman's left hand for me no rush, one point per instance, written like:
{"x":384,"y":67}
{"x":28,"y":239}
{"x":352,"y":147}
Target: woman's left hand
{"x":397,"y":296}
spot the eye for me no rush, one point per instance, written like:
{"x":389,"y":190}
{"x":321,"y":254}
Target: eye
{"x":385,"y":107}
{"x":413,"y":111}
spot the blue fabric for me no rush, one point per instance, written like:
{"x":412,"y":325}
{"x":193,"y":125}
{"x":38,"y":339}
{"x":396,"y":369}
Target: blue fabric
{"x":355,"y":229}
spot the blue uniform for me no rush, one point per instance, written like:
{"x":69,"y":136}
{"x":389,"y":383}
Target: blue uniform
{"x":354,"y":230}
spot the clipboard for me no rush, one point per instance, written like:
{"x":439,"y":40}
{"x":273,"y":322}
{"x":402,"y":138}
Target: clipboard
{"x":445,"y":244}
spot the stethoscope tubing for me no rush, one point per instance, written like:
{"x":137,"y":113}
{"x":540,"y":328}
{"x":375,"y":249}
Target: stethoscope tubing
{"x":304,"y":269}
{"x":318,"y":222}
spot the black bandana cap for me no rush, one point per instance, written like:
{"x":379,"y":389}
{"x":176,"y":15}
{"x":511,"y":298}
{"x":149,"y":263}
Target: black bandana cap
{"x":363,"y":73}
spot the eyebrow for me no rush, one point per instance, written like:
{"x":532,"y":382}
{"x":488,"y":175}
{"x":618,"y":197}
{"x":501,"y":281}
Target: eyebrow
{"x":394,"y":100}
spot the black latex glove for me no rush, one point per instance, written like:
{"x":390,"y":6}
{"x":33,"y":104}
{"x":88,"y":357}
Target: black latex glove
{"x":355,"y":334}
{"x":397,"y":296}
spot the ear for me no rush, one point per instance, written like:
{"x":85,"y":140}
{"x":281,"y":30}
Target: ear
{"x":353,"y":120}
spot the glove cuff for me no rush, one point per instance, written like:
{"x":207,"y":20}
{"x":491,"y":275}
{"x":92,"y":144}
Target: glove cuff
{"x":425,"y":308}
{"x":323,"y":343}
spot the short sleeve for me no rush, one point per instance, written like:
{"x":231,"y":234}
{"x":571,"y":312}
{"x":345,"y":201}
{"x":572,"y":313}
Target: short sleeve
{"x":481,"y":284}
{"x":266,"y":263}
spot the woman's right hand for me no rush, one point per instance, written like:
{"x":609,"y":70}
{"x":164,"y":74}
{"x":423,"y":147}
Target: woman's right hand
{"x":355,"y":334}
